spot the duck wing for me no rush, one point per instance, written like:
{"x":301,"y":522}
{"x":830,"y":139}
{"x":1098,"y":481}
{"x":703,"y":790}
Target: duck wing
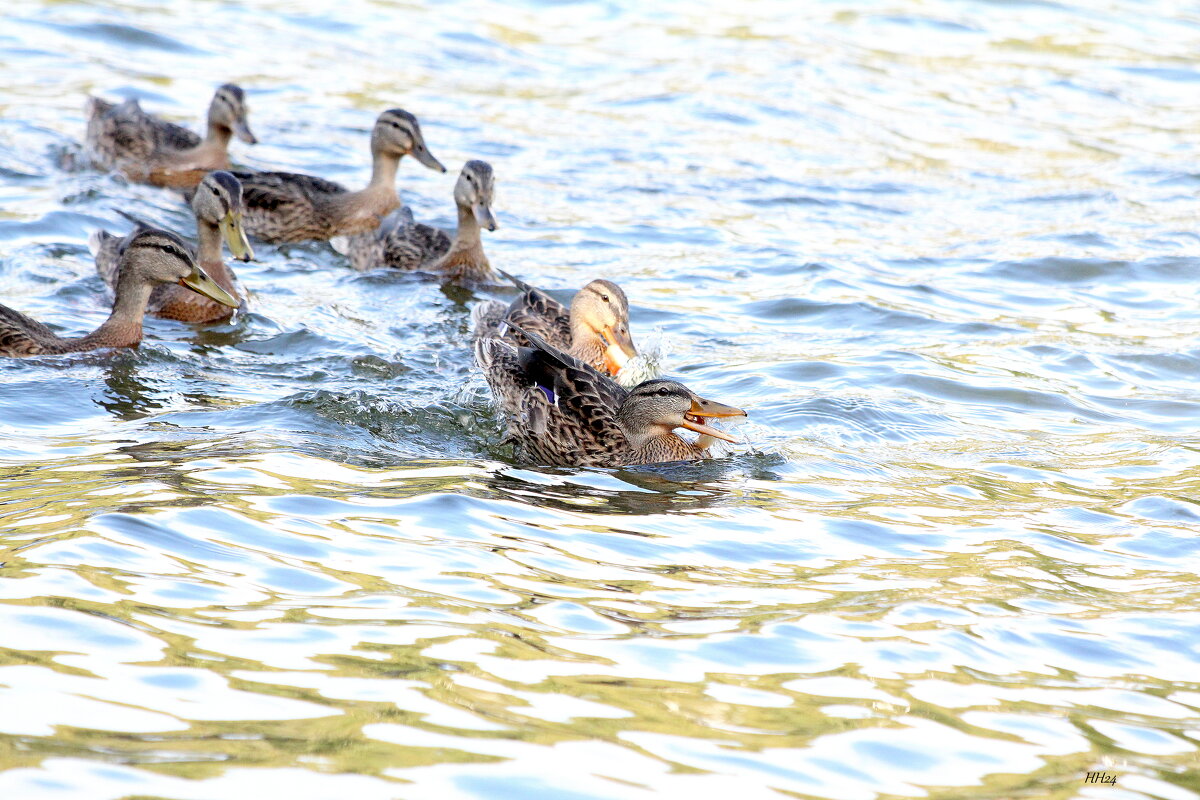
{"x":271,"y":191}
{"x":286,"y":206}
{"x":169,"y":136}
{"x":534,"y":310}
{"x":117,"y":133}
{"x":23,"y":336}
{"x":568,"y":416}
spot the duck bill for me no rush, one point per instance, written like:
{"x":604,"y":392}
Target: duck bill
{"x":701,"y":410}
{"x":235,"y":237}
{"x":421,"y":153}
{"x":241,"y":129}
{"x":619,"y":349}
{"x":483,"y":215}
{"x":199,"y":281}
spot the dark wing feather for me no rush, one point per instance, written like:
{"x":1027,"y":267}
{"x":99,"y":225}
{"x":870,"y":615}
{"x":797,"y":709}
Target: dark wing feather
{"x":537,"y":311}
{"x":581,"y":427}
{"x":272,"y":190}
{"x":119,"y":132}
{"x":398,"y":243}
{"x":23,"y":336}
{"x":169,"y":136}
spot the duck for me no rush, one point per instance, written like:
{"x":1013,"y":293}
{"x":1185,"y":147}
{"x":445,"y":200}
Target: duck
{"x":294,"y":207}
{"x":153,"y":256}
{"x":400,"y":243}
{"x":217,"y":205}
{"x":562,"y":412}
{"x":595,"y":329}
{"x":147,"y":149}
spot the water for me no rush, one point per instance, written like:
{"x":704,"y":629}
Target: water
{"x":944,"y":255}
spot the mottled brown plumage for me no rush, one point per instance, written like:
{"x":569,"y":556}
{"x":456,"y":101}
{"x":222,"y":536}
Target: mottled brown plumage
{"x":147,"y":149}
{"x":595,"y":329}
{"x":400,"y":243}
{"x":561,"y":412}
{"x":292,"y":207}
{"x":152,"y":257}
{"x":217,"y":204}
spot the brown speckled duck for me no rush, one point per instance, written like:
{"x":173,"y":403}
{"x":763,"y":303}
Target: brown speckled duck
{"x":147,"y":149}
{"x":292,"y":207}
{"x":402,"y":244}
{"x":594,"y":330}
{"x":562,"y":412}
{"x":217,"y":205}
{"x":152,"y":257}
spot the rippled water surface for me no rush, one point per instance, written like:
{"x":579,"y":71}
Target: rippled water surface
{"x":944,"y":253}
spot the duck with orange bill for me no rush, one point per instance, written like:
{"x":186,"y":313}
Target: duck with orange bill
{"x":595,"y":329}
{"x":560,"y":411}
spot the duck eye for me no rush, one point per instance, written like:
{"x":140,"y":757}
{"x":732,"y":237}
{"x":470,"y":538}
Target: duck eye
{"x":604,"y":297}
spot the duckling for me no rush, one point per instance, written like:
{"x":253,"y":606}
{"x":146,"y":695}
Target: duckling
{"x":147,"y":149}
{"x":595,"y":330}
{"x":402,"y":244}
{"x":292,"y":207}
{"x":562,"y":412}
{"x":217,"y":205}
{"x":152,"y":257}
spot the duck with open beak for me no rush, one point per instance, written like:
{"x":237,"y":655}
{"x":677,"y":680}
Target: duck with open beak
{"x":563,"y":412}
{"x":701,"y":410}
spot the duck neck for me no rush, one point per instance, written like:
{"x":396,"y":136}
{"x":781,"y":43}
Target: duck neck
{"x":218,"y":137}
{"x":465,"y":261}
{"x":383,"y":172}
{"x":467,"y":237}
{"x":585,"y":342}
{"x":655,"y":443}
{"x":209,"y":254}
{"x":124,"y":325}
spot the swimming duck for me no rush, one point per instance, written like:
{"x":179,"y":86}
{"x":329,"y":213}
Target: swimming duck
{"x":152,"y":257}
{"x":292,"y":207}
{"x":594,"y":330}
{"x":151,"y":150}
{"x":562,"y":412}
{"x":402,"y":244}
{"x":217,"y":205}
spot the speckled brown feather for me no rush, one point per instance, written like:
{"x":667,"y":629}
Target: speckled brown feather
{"x":23,"y":336}
{"x":292,"y":207}
{"x":398,"y":243}
{"x":145,"y":148}
{"x":534,"y":310}
{"x":581,"y":426}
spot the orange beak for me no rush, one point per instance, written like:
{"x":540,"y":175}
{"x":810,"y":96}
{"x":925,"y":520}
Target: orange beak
{"x":619,"y":348}
{"x":703,"y":409}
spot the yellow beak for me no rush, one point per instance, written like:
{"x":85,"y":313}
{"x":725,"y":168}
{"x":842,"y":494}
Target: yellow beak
{"x":235,"y":236}
{"x":199,"y":281}
{"x":703,"y":409}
